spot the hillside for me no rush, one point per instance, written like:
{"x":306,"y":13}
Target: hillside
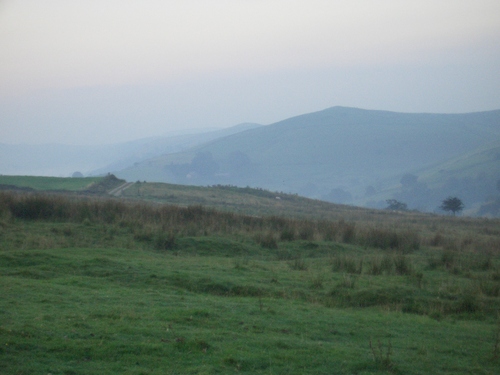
{"x":473,"y":176}
{"x":343,"y":155}
{"x":63,"y":160}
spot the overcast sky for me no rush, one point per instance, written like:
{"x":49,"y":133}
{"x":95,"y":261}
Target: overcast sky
{"x":105,"y":71}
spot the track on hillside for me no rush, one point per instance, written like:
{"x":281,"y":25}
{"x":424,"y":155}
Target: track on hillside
{"x":119,"y":190}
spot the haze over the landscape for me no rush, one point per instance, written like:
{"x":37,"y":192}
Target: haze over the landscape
{"x":247,"y":186}
{"x":98,"y":72}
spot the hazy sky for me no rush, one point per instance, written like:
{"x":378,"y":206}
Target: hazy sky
{"x":104,"y":71}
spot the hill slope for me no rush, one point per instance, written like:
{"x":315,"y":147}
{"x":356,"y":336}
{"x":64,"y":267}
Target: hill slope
{"x":335,"y":154}
{"x":63,"y":160}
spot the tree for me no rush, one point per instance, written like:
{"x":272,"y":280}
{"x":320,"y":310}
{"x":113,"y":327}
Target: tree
{"x":395,"y":205}
{"x":452,"y":204}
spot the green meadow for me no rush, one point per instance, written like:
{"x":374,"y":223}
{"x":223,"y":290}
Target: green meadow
{"x":49,"y":183}
{"x":104,"y":286}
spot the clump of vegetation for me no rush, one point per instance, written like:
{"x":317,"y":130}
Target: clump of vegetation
{"x":404,"y":240}
{"x":267,"y":240}
{"x":347,"y":264}
{"x":298,"y":264}
{"x":379,"y":265}
{"x":165,"y":241}
{"x":381,"y":356}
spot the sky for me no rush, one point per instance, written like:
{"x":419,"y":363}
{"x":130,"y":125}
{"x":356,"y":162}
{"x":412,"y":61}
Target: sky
{"x":108,"y":71}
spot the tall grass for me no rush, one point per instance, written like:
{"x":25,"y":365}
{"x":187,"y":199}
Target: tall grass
{"x":197,"y":220}
{"x":194,"y":220}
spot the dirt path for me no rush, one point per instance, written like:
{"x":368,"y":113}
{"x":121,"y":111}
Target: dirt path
{"x":120,"y":189}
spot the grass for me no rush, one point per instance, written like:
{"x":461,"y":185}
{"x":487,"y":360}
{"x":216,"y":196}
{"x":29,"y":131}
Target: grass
{"x":109,"y":310}
{"x":375,"y":228}
{"x":103,"y":286}
{"x":50,"y":183}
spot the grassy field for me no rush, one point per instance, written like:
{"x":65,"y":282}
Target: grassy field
{"x":49,"y":183}
{"x":102,"y":286}
{"x":433,"y":230}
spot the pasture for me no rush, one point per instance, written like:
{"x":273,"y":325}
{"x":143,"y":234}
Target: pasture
{"x":103,"y":286}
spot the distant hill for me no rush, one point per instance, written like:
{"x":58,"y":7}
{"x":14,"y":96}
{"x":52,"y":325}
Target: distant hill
{"x":64,"y":160}
{"x":473,"y":176}
{"x":344,"y":155}
{"x":157,"y":146}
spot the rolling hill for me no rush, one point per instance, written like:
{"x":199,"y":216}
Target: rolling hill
{"x":63,"y":160}
{"x":473,"y":177}
{"x":343,"y":155}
